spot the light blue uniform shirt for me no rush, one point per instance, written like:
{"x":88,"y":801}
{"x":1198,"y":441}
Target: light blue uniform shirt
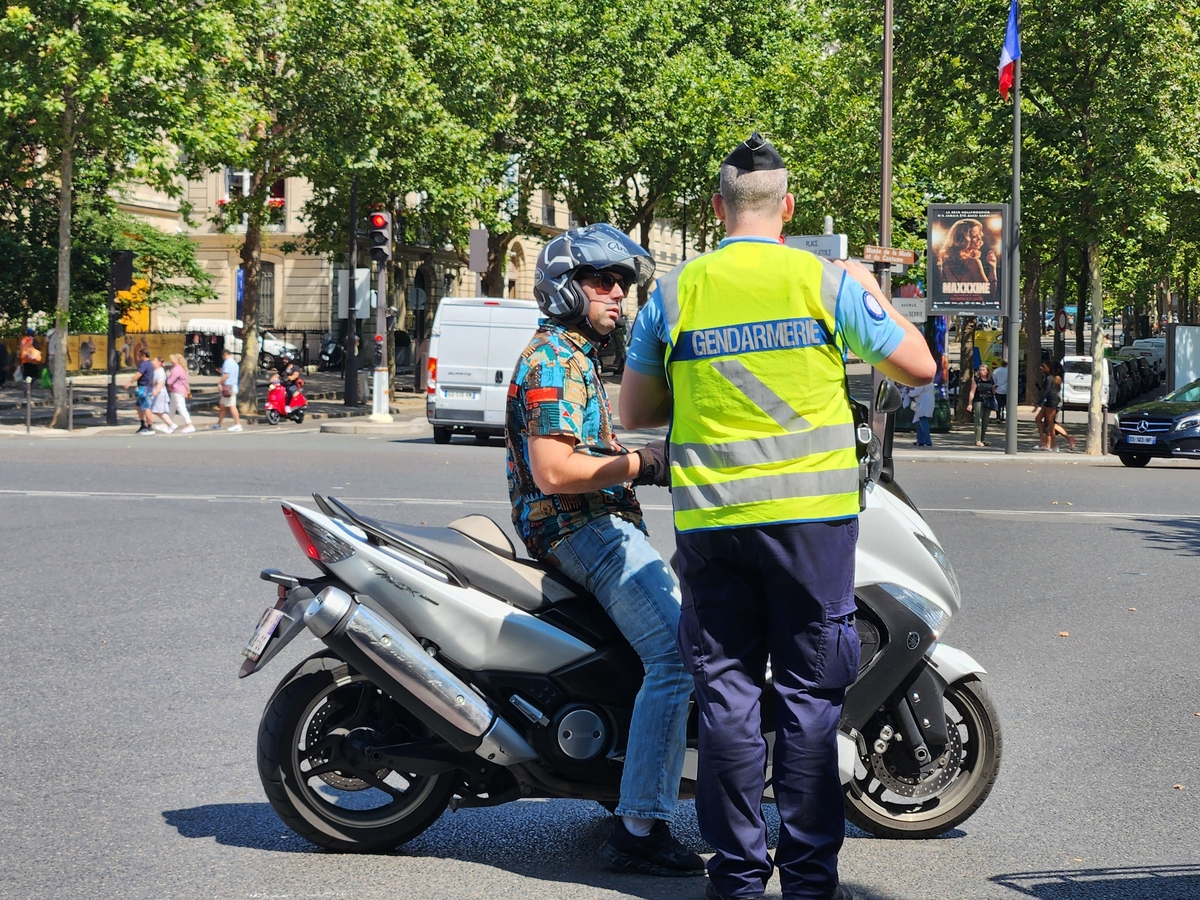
{"x":863,"y":324}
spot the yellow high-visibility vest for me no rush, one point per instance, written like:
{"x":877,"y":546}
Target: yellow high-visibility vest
{"x":761,"y":427}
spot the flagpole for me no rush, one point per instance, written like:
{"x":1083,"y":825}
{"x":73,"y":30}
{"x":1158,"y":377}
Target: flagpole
{"x":1014,"y":280}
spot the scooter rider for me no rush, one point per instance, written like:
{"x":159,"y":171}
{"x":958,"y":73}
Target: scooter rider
{"x":570,"y":482}
{"x":291,"y":377}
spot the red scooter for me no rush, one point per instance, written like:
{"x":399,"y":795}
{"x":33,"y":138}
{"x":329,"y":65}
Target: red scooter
{"x":277,"y":406}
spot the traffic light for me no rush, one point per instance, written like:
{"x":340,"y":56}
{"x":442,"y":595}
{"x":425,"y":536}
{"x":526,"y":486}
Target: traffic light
{"x":380,"y":236}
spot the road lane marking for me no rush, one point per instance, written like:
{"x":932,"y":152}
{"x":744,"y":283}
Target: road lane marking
{"x":1064,"y":515}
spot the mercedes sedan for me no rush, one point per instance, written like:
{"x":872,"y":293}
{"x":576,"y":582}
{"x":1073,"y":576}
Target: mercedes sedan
{"x":1164,"y":428}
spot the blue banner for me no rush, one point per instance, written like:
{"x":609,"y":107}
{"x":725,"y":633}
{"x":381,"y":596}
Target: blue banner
{"x":752,"y":337}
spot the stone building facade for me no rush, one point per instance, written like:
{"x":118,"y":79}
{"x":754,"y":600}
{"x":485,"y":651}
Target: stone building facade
{"x":299,"y":290}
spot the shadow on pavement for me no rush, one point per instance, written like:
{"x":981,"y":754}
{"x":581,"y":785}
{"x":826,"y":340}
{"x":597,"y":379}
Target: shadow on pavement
{"x":552,"y":841}
{"x":1179,"y":535}
{"x":1180,"y":882}
{"x":252,"y":825}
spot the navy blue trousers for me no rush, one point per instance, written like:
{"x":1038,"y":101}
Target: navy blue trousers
{"x":785,"y":592}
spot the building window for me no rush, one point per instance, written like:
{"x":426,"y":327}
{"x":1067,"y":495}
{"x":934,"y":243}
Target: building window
{"x":549,"y":213}
{"x":276,"y":206}
{"x":266,"y":294}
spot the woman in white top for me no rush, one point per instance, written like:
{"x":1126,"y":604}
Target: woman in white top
{"x":160,"y":399}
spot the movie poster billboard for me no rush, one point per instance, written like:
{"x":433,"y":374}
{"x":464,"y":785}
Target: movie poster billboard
{"x":967,"y":272}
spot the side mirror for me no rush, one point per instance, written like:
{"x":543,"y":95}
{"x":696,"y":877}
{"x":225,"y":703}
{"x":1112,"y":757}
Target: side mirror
{"x":888,"y":399}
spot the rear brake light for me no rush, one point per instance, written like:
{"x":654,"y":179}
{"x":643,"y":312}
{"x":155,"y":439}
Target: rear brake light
{"x":430,"y":382}
{"x":317,"y":543}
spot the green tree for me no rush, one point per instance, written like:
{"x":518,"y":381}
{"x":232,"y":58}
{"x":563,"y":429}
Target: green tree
{"x":134,"y":81}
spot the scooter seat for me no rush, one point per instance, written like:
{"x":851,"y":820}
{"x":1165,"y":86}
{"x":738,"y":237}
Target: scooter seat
{"x":484,"y":563}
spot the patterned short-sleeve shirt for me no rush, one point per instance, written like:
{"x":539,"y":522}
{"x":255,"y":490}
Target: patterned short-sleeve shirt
{"x":555,"y":390}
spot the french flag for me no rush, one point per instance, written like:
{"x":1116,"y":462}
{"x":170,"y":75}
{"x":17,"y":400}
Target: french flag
{"x":1011,"y":52}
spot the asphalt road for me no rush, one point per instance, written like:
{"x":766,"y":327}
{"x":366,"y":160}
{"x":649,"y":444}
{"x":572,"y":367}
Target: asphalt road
{"x":127,"y":761}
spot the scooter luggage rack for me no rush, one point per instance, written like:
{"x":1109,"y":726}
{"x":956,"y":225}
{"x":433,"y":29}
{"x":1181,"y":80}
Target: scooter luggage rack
{"x":382,"y":537}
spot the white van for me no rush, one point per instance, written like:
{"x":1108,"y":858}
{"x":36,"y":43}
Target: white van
{"x":473,"y":349}
{"x":1077,"y":382}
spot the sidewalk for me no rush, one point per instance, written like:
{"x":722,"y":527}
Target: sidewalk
{"x":323,"y":390}
{"x":959,"y":444}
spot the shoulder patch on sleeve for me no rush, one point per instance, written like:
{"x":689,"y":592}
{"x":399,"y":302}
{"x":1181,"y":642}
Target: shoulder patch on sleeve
{"x":873,"y":307}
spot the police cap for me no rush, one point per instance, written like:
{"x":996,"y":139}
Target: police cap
{"x":755,"y":154}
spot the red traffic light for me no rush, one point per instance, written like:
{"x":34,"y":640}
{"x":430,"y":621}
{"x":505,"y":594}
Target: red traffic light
{"x":379,"y":220}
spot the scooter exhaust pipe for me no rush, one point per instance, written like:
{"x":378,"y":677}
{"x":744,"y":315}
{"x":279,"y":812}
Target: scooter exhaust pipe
{"x":383,"y":650}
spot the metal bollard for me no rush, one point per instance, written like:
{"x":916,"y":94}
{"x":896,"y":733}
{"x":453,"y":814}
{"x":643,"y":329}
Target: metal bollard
{"x":28,"y":402}
{"x":70,"y":404}
{"x":1104,"y":439}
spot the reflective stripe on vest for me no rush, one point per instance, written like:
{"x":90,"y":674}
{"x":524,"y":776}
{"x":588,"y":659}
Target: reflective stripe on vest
{"x":761,"y":428}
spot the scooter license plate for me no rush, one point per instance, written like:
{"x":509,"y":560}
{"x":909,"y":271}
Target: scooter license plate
{"x":262,"y":634}
{"x":1141,"y":439}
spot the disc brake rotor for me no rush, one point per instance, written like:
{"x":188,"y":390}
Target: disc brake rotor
{"x":315,"y":734}
{"x":918,"y":786}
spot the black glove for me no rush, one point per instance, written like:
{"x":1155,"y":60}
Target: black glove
{"x":655,"y":469}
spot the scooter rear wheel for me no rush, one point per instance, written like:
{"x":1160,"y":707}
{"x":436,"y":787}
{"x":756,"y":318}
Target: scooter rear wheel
{"x":297,"y":416}
{"x":272,"y":417}
{"x":884,"y":801}
{"x":317,"y":789}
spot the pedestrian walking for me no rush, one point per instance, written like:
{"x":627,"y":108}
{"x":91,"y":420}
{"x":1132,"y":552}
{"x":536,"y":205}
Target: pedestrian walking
{"x":922,"y":400}
{"x":143,"y":383}
{"x":1054,"y":403}
{"x":1000,"y":376}
{"x":228,"y":386}
{"x":765,"y":490}
{"x":160,"y":398}
{"x":982,"y":400}
{"x":180,"y":390}
{"x":29,"y":357}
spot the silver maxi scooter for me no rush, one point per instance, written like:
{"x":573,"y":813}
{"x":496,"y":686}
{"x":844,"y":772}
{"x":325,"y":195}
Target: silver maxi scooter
{"x":457,"y":674}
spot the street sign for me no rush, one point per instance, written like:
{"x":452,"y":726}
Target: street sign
{"x":1060,"y":320}
{"x":477,"y":250}
{"x":914,"y":309}
{"x":362,"y":293}
{"x":894,"y":255}
{"x":830,"y":246}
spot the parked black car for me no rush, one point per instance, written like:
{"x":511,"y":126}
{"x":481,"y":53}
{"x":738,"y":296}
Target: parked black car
{"x":1169,"y":427}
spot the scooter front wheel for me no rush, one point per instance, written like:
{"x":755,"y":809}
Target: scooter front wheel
{"x":313,"y":779}
{"x":272,"y":417}
{"x":890,"y":798}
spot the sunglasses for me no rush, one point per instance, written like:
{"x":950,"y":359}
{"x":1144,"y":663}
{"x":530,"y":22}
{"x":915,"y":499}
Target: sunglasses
{"x":606,"y":280}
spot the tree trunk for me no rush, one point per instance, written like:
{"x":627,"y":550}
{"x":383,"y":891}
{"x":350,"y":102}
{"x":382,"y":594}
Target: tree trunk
{"x":647,"y":224}
{"x":1081,"y":302}
{"x":1185,"y":300}
{"x":1060,"y":294}
{"x":493,"y":278}
{"x":251,"y":270}
{"x":966,"y":359}
{"x":63,"y":305}
{"x":1095,"y":435}
{"x":1032,"y":327}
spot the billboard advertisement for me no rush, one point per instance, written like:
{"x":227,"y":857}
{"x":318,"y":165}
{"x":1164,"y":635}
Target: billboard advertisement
{"x":968,"y":243}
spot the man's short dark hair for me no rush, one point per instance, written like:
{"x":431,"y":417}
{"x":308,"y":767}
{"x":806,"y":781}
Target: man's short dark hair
{"x":144,"y":353}
{"x":225,"y":351}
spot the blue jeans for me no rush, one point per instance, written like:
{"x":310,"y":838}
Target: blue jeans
{"x":613,"y":559}
{"x":923,"y":437}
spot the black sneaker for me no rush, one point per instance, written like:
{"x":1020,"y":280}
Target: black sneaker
{"x":655,"y":854}
{"x":842,"y":893}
